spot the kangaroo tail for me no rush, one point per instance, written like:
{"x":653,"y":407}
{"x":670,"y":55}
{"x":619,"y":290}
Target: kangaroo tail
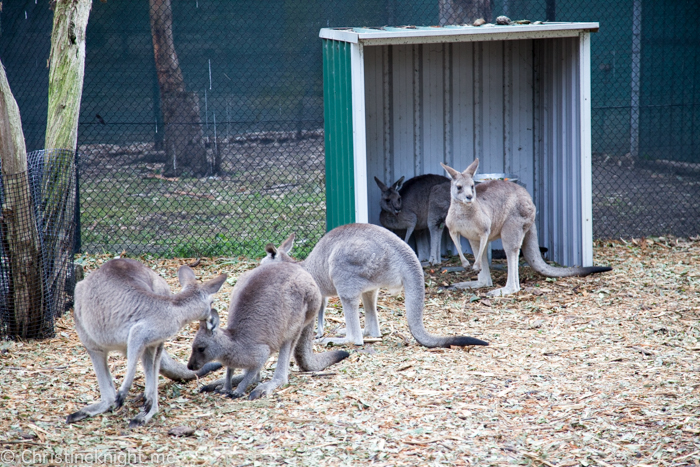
{"x":310,"y":361}
{"x":172,"y":369}
{"x":531,"y":252}
{"x":414,"y":289}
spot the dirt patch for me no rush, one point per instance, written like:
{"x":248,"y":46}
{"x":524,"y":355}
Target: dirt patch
{"x":602,"y":370}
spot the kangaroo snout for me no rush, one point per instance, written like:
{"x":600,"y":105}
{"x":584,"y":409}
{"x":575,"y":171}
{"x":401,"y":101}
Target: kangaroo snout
{"x":192,"y":365}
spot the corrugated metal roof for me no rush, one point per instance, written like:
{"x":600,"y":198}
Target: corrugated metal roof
{"x":463,"y":33}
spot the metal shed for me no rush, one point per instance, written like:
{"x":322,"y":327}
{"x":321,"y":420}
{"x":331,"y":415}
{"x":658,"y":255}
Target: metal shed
{"x":398,"y":101}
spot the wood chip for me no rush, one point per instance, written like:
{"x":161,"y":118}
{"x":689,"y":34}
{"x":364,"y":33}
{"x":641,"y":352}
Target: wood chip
{"x":181,"y":431}
{"x":607,"y":377}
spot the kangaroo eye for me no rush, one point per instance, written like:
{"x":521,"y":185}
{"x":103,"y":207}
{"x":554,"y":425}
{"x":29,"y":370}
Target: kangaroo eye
{"x":459,"y":188}
{"x":201,"y":349}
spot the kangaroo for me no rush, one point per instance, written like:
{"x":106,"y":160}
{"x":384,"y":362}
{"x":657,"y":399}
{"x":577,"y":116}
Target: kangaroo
{"x":125,"y":306}
{"x":422,"y":202}
{"x":177,"y":371}
{"x":272,"y":310}
{"x":353,"y":262}
{"x":492,"y":210}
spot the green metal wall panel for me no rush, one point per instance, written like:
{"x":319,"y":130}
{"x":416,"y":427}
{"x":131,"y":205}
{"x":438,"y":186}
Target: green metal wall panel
{"x":337,"y":107}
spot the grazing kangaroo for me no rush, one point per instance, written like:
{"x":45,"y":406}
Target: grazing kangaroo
{"x":272,"y":310}
{"x":420,"y":203}
{"x":125,"y":306}
{"x":353,"y":262}
{"x":492,"y":210}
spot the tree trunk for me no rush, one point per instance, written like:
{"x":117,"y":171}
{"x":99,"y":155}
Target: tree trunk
{"x":66,"y":73}
{"x":464,"y":11}
{"x":184,"y":140}
{"x":24,"y":312}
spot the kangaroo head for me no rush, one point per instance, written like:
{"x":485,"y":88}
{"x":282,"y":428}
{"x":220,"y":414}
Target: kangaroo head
{"x":207,"y":290}
{"x":391,"y":199}
{"x":204,"y":347}
{"x":279,"y":254}
{"x":462,"y":188}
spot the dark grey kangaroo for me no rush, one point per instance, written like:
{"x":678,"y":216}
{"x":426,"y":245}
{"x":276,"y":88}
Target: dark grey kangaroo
{"x":126,"y":307}
{"x":420,"y":203}
{"x":272,"y":310}
{"x":353,"y":262}
{"x":492,"y":210}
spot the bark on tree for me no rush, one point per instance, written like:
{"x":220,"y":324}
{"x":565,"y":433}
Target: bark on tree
{"x":66,"y":73}
{"x":25,"y":312}
{"x":464,"y":11}
{"x":184,"y":139}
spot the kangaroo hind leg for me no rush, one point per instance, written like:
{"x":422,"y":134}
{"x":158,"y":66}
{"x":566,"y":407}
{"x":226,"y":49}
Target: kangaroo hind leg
{"x":512,"y":239}
{"x":353,"y":330}
{"x":151,"y":367}
{"x":369,"y":302}
{"x":281,"y":375}
{"x":107,"y":392}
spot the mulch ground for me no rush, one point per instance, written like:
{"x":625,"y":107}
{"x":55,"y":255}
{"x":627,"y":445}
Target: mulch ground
{"x":599,"y":371}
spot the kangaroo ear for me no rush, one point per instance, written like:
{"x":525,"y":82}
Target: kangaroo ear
{"x":381,"y":184}
{"x":185,"y":275}
{"x":213,"y":321}
{"x":271,"y":251}
{"x":287,"y":245}
{"x":450,"y":171}
{"x":212,"y":286}
{"x":397,"y":183}
{"x":471,"y":170}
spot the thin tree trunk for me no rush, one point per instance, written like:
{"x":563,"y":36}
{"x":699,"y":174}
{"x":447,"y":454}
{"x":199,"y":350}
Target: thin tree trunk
{"x":464,"y":11}
{"x":66,"y":73}
{"x":25,"y":313}
{"x":184,"y":141}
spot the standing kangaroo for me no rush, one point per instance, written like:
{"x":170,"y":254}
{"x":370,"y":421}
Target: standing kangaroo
{"x":126,"y":307}
{"x":272,"y":310}
{"x":492,"y":210}
{"x":353,"y":262}
{"x":420,"y":203}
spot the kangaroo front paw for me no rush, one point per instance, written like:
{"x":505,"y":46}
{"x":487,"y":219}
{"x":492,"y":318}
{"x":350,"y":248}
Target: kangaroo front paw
{"x":119,"y":400}
{"x":139,"y":420}
{"x":235,"y":395}
{"x":74,"y":417}
{"x":476,"y":267}
{"x":257,"y":393}
{"x":212,"y":387}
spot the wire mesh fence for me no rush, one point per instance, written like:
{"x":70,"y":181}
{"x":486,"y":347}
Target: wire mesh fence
{"x":201,"y":121}
{"x":36,"y":244}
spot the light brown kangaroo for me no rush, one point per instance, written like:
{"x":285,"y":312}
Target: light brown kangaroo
{"x":492,"y":210}
{"x":353,"y":262}
{"x":272,"y":310}
{"x":126,"y":307}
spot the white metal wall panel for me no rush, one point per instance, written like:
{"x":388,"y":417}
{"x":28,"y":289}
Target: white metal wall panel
{"x":463,"y":107}
{"x":515,"y":104}
{"x":559,"y":150}
{"x":376,"y":124}
{"x":519,"y":146}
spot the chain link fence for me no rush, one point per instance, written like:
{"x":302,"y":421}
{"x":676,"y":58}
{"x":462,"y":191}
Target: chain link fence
{"x":201,"y":121}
